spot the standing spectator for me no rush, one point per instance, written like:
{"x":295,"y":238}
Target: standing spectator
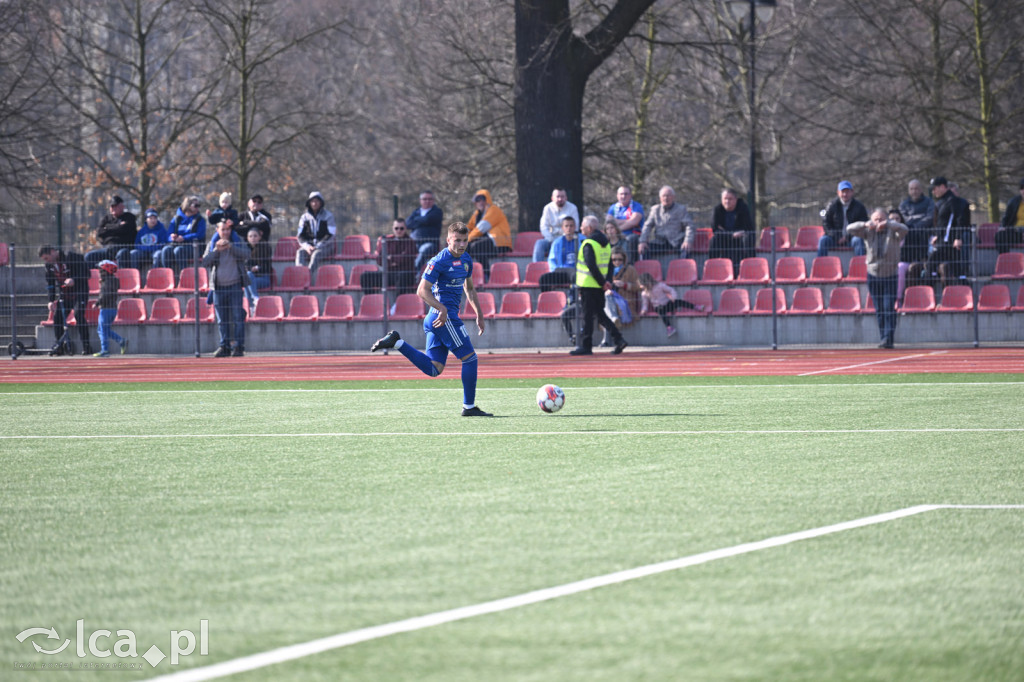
{"x":661,"y":298}
{"x":226,"y":256}
{"x":668,"y":232}
{"x":551,"y":222}
{"x":918,"y":211}
{"x":882,"y":238}
{"x":401,"y":253}
{"x":1011,"y":232}
{"x":843,"y":210}
{"x":186,"y":229}
{"x":947,"y":258}
{"x":424,"y":225}
{"x":316,"y":234}
{"x":152,"y":237}
{"x":224,"y":211}
{"x":733,"y":235}
{"x":109,"y":285}
{"x":562,"y":258}
{"x":115,"y":234}
{"x":622,"y":301}
{"x":259,"y":265}
{"x":257,"y":217}
{"x":593,"y":264}
{"x":67,"y":288}
{"x":489,"y":231}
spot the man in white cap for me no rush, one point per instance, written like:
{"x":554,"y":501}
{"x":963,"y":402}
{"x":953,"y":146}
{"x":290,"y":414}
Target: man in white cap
{"x":843,"y":210}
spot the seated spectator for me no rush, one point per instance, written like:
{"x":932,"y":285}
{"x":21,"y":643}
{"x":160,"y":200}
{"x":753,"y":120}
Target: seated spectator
{"x":489,"y":231}
{"x":918,"y":212}
{"x":115,"y":235}
{"x":186,"y":229}
{"x":627,"y":214}
{"x":843,"y":210}
{"x":948,"y":258}
{"x":401,"y":254}
{"x":562,"y":258}
{"x":1011,"y":230}
{"x":424,"y":225}
{"x":551,"y":222}
{"x":615,"y":239}
{"x":316,"y":234}
{"x":661,"y":298}
{"x":224,"y":211}
{"x":667,"y":232}
{"x":152,"y":237}
{"x":733,"y":234}
{"x":259,"y":265}
{"x":622,"y":301}
{"x":256,"y":216}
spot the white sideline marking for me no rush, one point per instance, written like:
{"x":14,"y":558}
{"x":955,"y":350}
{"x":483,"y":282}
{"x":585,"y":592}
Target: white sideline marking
{"x":868,"y":364}
{"x":598,"y":432}
{"x":344,"y":639}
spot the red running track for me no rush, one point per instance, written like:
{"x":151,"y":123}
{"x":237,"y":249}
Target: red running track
{"x":549,"y":364}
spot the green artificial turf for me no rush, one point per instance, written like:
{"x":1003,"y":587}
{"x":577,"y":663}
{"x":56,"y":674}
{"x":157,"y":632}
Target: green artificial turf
{"x":284,"y":513}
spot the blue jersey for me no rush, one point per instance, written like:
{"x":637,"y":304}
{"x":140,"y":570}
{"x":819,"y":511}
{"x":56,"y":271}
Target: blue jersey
{"x":447,"y":275}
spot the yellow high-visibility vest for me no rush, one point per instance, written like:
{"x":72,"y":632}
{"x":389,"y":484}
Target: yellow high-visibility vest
{"x":603,"y":254}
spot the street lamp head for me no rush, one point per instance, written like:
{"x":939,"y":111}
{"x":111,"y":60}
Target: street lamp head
{"x":740,"y":9}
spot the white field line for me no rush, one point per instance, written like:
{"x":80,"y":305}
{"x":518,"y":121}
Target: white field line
{"x":869,"y":364}
{"x":420,"y":434}
{"x":344,"y":639}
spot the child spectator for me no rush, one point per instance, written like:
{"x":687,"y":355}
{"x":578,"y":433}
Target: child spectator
{"x":224,"y":210}
{"x":109,"y":285}
{"x":661,"y":298}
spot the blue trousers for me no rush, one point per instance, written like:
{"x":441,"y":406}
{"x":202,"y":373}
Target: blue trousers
{"x":883,"y":292}
{"x":227,"y":302}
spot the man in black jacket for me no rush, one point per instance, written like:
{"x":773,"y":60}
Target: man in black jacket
{"x":843,"y":210}
{"x":1012,"y":231}
{"x":949,"y":243}
{"x":67,"y":286}
{"x":115,"y":235}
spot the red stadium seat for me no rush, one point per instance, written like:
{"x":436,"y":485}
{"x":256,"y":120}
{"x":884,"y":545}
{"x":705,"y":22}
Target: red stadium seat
{"x":651,"y":267}
{"x":858,"y":270}
{"x":159,"y":281}
{"x":92,"y":312}
{"x":94,"y":282}
{"x":206,"y":311}
{"x":701,"y":240}
{"x":682,"y":272}
{"x":356,"y":274}
{"x":130,"y":310}
{"x":733,"y":302}
{"x":329,"y":277}
{"x":1020,"y":300}
{"x":514,"y":304}
{"x":165,"y":311}
{"x":790,"y":270}
{"x":337,"y":308}
{"x":522,"y":247}
{"x":918,"y":299}
{"x":717,"y":271}
{"x":302,"y":308}
{"x":269,"y":308}
{"x":807,"y":238}
{"x":504,"y":275}
{"x":533,"y":273}
{"x":355,"y":247}
{"x":550,"y":304}
{"x":1009,"y":266}
{"x":807,"y":301}
{"x":844,"y":301}
{"x":699,"y":298}
{"x":408,"y":307}
{"x":957,"y":298}
{"x":486,"y":299}
{"x":294,"y":278}
{"x":753,"y":271}
{"x":186,"y":281}
{"x":371,"y":308}
{"x":130,"y":281}
{"x":869,"y":306}
{"x":994,"y":298}
{"x":478,"y":274}
{"x":763,"y":302}
{"x":826,"y":270}
{"x":5,"y":255}
{"x":987,"y":235}
{"x":285,"y":248}
{"x":764,"y":244}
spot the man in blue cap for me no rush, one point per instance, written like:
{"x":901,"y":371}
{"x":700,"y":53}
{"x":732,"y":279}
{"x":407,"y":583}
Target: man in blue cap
{"x":843,"y":210}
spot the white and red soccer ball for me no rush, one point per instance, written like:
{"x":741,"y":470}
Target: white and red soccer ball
{"x":550,"y":398}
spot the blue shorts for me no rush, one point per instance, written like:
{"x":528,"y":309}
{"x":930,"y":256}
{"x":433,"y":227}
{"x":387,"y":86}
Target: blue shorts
{"x":451,"y":337}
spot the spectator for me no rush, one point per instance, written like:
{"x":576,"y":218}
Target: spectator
{"x":661,"y":298}
{"x":622,"y":301}
{"x":562,"y":258}
{"x":186,"y":229}
{"x":489,"y":231}
{"x":67,"y":288}
{"x":593,"y":264}
{"x":551,"y":222}
{"x":1011,"y":231}
{"x":628,"y":214}
{"x":843,"y":210}
{"x":918,"y":211}
{"x":424,"y":225}
{"x":401,"y":253}
{"x":152,"y":237}
{"x":667,"y":232}
{"x":882,"y":238}
{"x":115,"y":234}
{"x":316,"y":234}
{"x":733,"y":234}
{"x":224,"y":211}
{"x":257,"y":217}
{"x":109,"y":284}
{"x":947,"y":259}
{"x":226,"y":256}
{"x":259,"y":264}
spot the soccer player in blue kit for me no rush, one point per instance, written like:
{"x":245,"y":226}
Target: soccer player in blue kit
{"x":446,"y":276}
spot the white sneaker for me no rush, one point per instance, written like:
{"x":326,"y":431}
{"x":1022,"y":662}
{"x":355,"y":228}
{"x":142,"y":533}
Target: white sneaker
{"x":671,"y":330}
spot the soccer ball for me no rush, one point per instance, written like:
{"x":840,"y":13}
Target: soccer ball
{"x":550,"y":398}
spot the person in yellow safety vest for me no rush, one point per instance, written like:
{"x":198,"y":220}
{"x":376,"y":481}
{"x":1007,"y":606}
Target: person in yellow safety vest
{"x":592,"y":266}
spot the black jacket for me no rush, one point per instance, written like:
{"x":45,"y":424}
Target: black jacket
{"x":743,"y":221}
{"x":69,"y":264}
{"x":959,"y":209}
{"x":833,"y":222}
{"x":1010,"y":216}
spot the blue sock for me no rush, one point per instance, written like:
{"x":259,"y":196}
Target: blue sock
{"x":469,"y":381}
{"x":421,"y":360}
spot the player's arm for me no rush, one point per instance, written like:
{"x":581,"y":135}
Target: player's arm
{"x":424,"y":292}
{"x":475,"y":302}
